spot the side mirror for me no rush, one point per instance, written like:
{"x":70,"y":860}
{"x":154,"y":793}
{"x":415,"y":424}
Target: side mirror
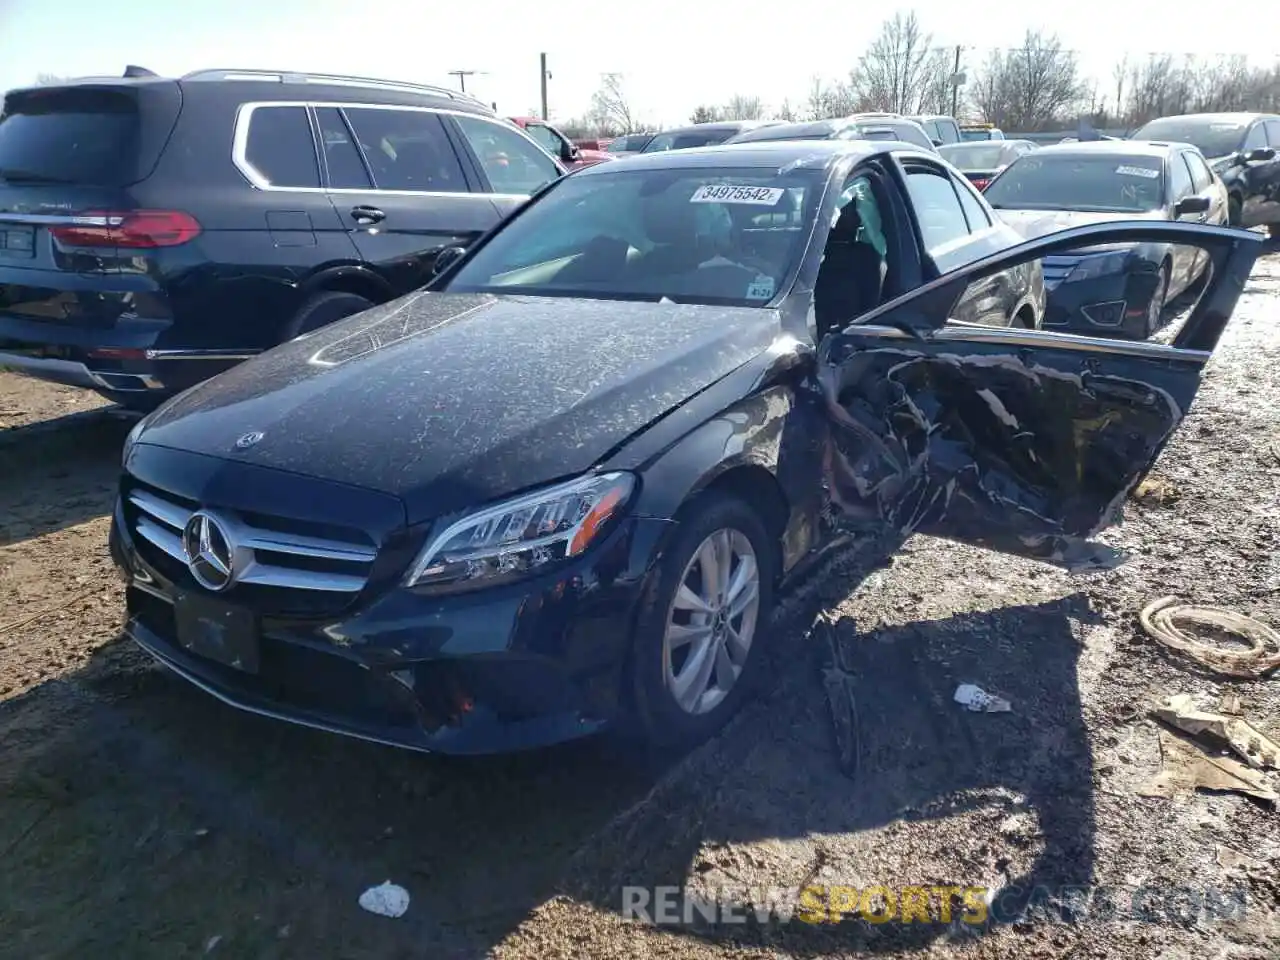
{"x":936,"y":141}
{"x":1257,"y":155}
{"x":568,"y":152}
{"x":445,"y":259}
{"x":1191,"y":205}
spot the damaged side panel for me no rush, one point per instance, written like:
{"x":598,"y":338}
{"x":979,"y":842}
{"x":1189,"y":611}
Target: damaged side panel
{"x":1026,"y":444}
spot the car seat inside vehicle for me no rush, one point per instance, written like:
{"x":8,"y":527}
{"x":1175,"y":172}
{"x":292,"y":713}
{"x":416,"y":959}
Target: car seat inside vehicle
{"x":851,"y":277}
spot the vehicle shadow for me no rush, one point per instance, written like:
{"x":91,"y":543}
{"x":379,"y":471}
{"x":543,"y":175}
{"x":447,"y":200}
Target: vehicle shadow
{"x":58,"y":473}
{"x":142,"y":816}
{"x":774,"y":809}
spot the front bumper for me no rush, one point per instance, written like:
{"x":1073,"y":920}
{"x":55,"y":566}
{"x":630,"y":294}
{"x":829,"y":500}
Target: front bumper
{"x":1112,"y":305}
{"x":508,"y":668}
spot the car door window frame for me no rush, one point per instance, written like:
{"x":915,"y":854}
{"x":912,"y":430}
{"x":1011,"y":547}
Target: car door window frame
{"x":965,"y":189}
{"x":1271,"y":130}
{"x":240,"y":146}
{"x":326,"y":176}
{"x":445,"y":142}
{"x":1176,"y":163}
{"x":914,"y":166}
{"x":552,"y":133}
{"x":1259,"y":128}
{"x":477,"y":187}
{"x":1195,"y":163}
{"x":464,"y":145}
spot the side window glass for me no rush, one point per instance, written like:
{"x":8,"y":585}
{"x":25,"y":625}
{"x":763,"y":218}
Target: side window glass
{"x":407,"y":150}
{"x":546,"y":138}
{"x":937,"y":208}
{"x":280,"y":148}
{"x":510,"y":161}
{"x":1273,"y":132}
{"x":974,"y":211}
{"x":346,"y":169}
{"x":1201,"y":178}
{"x":1179,"y":179}
{"x":1257,"y":137}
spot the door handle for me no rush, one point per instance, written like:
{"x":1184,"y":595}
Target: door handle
{"x":366,"y":215}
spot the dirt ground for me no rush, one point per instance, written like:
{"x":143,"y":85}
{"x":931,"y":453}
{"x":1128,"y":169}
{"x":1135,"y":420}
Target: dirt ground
{"x":139,"y":818}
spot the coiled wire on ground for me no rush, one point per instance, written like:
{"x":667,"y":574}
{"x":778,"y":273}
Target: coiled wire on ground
{"x":1161,"y":619}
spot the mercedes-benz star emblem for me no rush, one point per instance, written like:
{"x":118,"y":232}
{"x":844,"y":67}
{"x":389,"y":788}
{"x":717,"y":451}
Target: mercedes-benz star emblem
{"x":248,"y":440}
{"x":210,"y":551}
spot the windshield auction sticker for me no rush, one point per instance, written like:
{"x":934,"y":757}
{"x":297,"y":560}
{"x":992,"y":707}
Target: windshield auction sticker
{"x":735,"y":193}
{"x":1145,"y":172}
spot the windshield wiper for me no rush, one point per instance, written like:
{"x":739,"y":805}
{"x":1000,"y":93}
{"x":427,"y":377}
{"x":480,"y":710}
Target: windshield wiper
{"x":30,"y":176}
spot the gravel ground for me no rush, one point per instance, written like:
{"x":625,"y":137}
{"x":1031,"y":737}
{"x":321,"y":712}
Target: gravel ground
{"x":140,"y":818}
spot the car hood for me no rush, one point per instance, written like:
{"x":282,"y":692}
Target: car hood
{"x":448,"y":400}
{"x":1031,"y":224}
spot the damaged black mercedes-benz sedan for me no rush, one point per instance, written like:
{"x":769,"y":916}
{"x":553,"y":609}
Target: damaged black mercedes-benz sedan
{"x":563,"y":486}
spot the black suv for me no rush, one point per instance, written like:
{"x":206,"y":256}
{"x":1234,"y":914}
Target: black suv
{"x":1243,"y":149}
{"x":156,"y":231}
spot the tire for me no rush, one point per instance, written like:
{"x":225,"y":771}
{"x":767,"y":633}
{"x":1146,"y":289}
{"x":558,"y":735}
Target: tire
{"x":1234,"y":211}
{"x":1155,"y":309}
{"x":322,"y":309}
{"x":662,"y":721}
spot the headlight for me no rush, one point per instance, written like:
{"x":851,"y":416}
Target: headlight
{"x":523,"y":535}
{"x":1098,"y":265}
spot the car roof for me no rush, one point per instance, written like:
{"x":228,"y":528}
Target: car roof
{"x":1237,"y":117}
{"x":1111,"y":148}
{"x":267,"y":85}
{"x":799,"y":130}
{"x":717,"y":125}
{"x":765,"y":154}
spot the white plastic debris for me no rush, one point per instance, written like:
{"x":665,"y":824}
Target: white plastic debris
{"x":386,"y":900}
{"x":974,"y":698}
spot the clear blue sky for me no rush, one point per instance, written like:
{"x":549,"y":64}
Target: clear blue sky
{"x":674,"y":54}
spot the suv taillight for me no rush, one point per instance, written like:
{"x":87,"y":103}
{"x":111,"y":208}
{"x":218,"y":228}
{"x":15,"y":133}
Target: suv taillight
{"x":134,"y":229}
{"x":980,"y":183}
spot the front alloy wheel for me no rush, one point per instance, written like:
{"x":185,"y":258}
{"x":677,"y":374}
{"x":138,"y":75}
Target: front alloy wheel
{"x":712,"y":622}
{"x":698,"y":646}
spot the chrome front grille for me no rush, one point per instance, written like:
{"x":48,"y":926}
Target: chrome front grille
{"x":280,"y":558}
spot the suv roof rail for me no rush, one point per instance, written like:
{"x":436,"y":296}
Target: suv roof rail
{"x":335,"y":79}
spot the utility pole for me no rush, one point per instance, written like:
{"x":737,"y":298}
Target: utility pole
{"x":462,"y":77}
{"x":955,"y":84}
{"x":546,"y":75}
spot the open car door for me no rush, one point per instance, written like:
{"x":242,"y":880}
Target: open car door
{"x":1025,"y":441}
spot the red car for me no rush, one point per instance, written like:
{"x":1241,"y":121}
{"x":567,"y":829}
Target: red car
{"x":558,"y":145}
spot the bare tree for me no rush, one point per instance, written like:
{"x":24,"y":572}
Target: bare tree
{"x":891,"y":75}
{"x":1119,"y":73}
{"x":704,"y":114}
{"x":1034,"y":86}
{"x":936,"y":83}
{"x":828,"y":100}
{"x":785,"y":112}
{"x":988,"y":90}
{"x":610,"y":108}
{"x":740,"y":107}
